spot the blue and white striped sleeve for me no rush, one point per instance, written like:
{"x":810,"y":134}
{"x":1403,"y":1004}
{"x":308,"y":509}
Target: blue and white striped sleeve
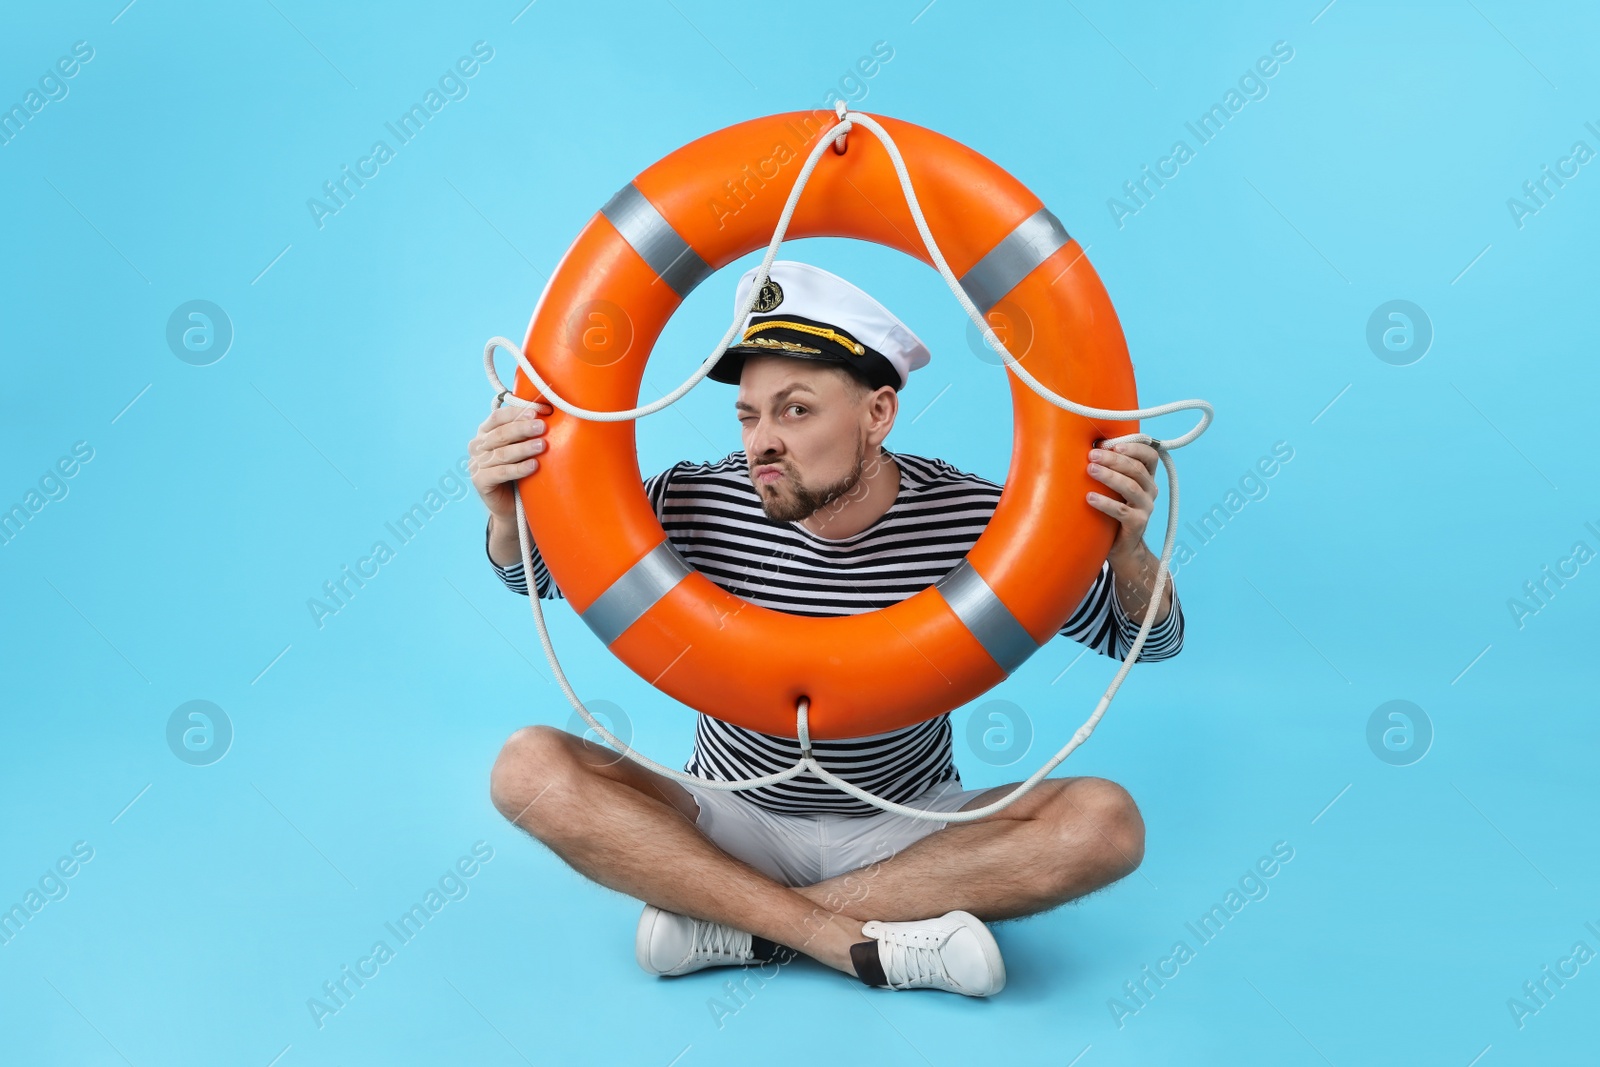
{"x":515,"y":580}
{"x":1101,"y":623}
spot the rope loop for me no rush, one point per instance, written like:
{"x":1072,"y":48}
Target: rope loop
{"x":802,"y":726}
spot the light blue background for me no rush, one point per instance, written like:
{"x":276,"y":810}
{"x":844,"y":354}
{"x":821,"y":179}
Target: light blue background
{"x":1419,"y":500}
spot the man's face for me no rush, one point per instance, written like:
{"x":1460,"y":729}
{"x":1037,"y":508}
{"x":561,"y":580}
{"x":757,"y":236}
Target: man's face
{"x":804,"y":429}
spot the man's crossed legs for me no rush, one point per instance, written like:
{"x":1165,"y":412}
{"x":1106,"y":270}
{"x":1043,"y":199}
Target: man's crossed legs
{"x":635,"y":831}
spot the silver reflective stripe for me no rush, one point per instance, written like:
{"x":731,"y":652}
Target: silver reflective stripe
{"x":990,"y":621}
{"x":1013,"y":259}
{"x":657,"y":243}
{"x":636,"y":592}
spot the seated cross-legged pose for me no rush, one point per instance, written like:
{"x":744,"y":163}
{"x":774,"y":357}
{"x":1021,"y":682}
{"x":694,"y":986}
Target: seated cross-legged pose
{"x":816,"y":517}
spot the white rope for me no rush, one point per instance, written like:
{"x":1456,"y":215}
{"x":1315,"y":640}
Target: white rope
{"x":847,"y":121}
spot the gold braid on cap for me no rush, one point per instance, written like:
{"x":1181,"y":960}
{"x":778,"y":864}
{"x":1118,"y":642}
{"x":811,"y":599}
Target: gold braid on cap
{"x":835,"y":336}
{"x":782,"y":346}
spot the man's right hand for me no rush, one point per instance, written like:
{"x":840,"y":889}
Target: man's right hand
{"x":507,"y":447}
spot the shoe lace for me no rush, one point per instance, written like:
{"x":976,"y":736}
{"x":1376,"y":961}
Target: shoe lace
{"x":719,"y":941}
{"x":908,"y":964}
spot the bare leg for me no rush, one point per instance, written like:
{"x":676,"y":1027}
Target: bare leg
{"x":632,"y":830}
{"x":1066,"y":838}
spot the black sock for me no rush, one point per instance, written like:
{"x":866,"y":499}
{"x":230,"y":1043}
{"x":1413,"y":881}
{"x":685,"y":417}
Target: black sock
{"x":762,"y":949}
{"x":869,"y":967}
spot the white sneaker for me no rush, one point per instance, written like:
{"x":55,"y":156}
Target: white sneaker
{"x":670,"y":944}
{"x":954,"y":952}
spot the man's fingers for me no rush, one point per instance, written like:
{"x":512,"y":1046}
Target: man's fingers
{"x":522,"y":468}
{"x":501,"y":473}
{"x":510,"y":432}
{"x":1115,"y":508}
{"x":1141,"y":452}
{"x":1145,"y":454}
{"x":508,"y":444}
{"x":491,"y":459}
{"x":1130,"y":489}
{"x":516,"y":451}
{"x":1129,"y":463}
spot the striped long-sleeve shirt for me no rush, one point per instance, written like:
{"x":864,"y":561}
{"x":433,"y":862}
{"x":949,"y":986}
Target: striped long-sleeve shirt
{"x":712,"y":515}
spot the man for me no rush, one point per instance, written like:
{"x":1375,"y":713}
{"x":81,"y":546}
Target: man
{"x":815,"y":517}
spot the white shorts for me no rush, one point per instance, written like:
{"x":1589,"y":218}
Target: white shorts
{"x":798,"y":850}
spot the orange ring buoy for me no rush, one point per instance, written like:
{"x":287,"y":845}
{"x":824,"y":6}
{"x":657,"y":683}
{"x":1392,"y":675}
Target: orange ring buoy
{"x":703,"y":207}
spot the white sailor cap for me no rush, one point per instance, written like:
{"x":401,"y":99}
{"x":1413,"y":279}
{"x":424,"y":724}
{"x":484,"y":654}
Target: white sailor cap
{"x":805,"y":312}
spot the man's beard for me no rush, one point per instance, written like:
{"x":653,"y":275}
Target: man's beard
{"x":803,"y":501}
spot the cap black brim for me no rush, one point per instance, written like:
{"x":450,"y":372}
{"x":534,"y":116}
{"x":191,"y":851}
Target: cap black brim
{"x":871,"y":367}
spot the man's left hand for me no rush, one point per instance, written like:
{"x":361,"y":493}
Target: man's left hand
{"x":1128,"y":470}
